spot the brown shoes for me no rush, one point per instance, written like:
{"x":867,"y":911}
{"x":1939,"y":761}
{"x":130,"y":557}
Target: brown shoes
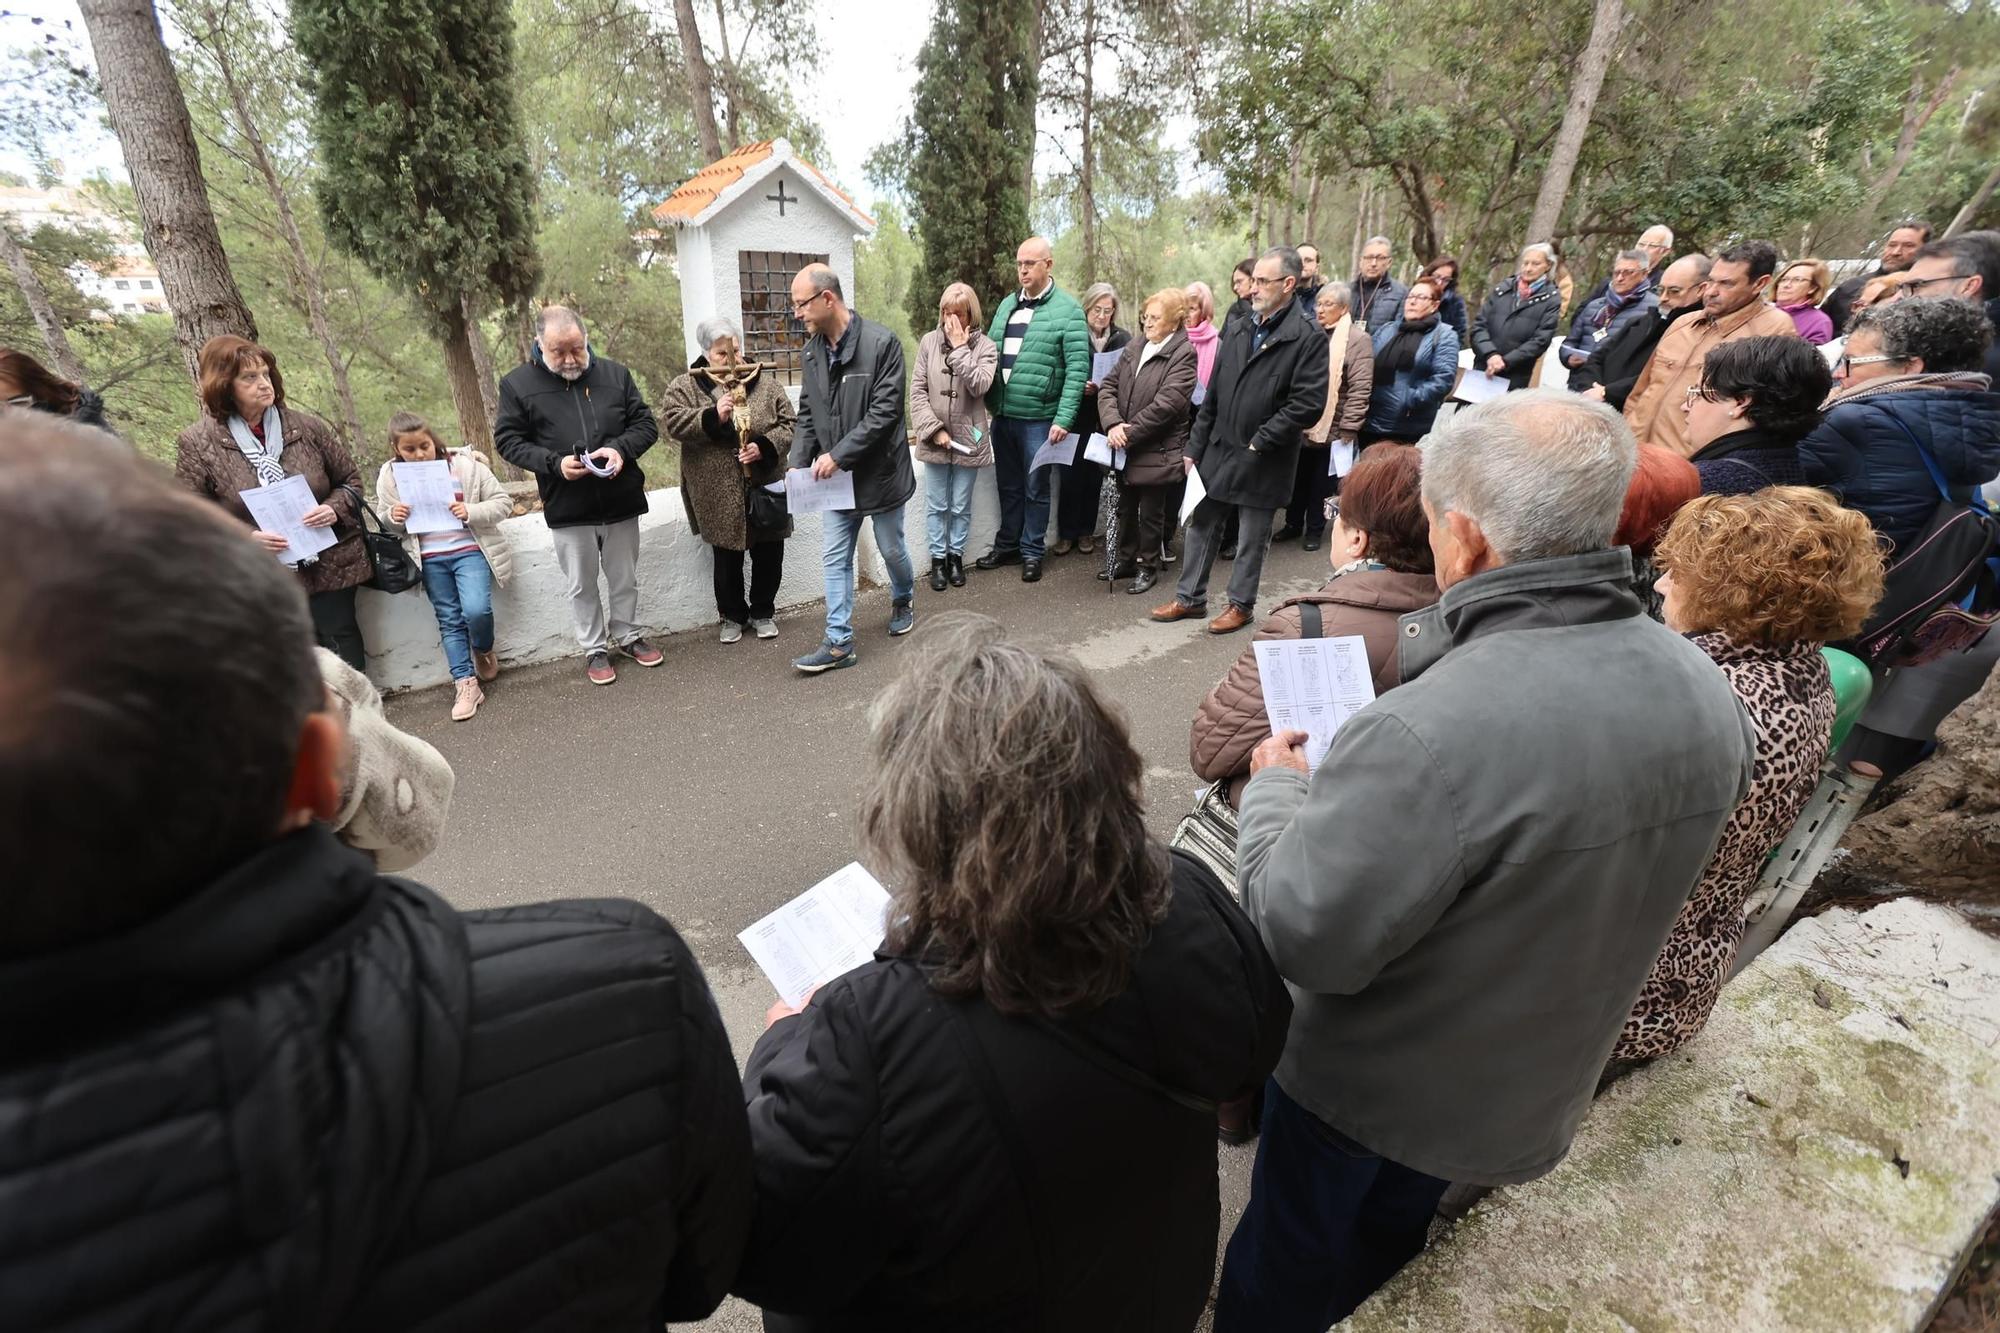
{"x":1175,"y":610}
{"x":485,"y":665}
{"x":1235,"y":618}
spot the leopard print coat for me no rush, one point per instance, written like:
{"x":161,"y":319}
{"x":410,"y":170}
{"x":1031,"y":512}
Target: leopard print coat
{"x":1789,"y":695}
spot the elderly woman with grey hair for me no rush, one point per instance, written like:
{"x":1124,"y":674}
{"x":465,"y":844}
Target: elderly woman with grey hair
{"x":1007,"y":1118}
{"x":1519,"y":319}
{"x":733,"y":423}
{"x":1076,"y":507}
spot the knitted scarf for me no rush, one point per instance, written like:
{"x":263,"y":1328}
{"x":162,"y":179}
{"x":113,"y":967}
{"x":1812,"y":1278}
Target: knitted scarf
{"x":1962,"y":381}
{"x":1205,"y":338}
{"x":1615,"y":305}
{"x":1529,"y":290}
{"x":1400,"y":352}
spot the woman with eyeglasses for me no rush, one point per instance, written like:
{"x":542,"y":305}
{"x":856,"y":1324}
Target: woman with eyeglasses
{"x":1416,"y":364}
{"x":1909,"y":376}
{"x":1800,"y":287}
{"x":26,"y":382}
{"x":1143,"y":405}
{"x":1757,"y":399}
{"x":1443,"y":271}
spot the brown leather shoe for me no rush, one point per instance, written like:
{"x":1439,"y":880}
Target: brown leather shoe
{"x":1175,"y":610}
{"x":1229,"y":621}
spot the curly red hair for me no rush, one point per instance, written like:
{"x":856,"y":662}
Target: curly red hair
{"x":1662,"y":483}
{"x":1787,"y":564}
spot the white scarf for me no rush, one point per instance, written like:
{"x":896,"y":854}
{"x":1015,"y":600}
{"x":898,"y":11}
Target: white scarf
{"x":263,"y":457}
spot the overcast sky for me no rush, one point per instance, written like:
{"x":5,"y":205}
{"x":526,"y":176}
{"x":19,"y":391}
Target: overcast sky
{"x":870,"y":55}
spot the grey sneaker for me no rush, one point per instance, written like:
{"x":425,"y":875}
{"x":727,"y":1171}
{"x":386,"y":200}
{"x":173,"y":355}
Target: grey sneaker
{"x":765,"y":629}
{"x":902,"y":619}
{"x":731,"y":632}
{"x":826,"y":658}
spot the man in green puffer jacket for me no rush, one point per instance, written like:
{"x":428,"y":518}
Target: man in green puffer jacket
{"x":1044,"y":362}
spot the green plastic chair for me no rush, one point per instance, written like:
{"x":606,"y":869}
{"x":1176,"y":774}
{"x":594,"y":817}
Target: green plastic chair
{"x":1853,"y":683}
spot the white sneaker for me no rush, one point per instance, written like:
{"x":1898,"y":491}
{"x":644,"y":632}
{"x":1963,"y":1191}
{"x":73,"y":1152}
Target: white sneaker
{"x":766,"y":629}
{"x":731,"y":631}
{"x":470,"y":696}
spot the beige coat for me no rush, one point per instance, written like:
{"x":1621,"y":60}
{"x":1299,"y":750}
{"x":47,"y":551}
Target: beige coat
{"x":1654,"y":407}
{"x":948,"y":392}
{"x":486,"y":504}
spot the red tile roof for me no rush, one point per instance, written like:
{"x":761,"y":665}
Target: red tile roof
{"x":707,"y":185}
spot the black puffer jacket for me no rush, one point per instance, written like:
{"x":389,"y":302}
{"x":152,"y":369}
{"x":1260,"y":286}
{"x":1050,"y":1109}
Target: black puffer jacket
{"x":1515,"y":330}
{"x":544,"y":417}
{"x":312,"y":1097}
{"x":1247,"y":434}
{"x":928,"y":1164}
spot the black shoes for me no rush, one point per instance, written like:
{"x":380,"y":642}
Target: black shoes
{"x":1126,"y":569}
{"x":1228,"y":552}
{"x":1031,"y":571}
{"x":955,"y":570}
{"x":938,"y":575}
{"x":1288,"y":533}
{"x":996,"y":557}
{"x":1144,"y":583}
{"x":1311,"y":543}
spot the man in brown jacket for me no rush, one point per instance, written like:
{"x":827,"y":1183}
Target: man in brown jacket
{"x":1733,"y":307}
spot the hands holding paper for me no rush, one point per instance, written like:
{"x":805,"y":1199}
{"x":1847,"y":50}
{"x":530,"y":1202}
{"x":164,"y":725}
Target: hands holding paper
{"x":319,"y":516}
{"x":1281,"y":749}
{"x":271,"y":541}
{"x":1116,"y":435}
{"x":824,"y":467}
{"x":779,"y":1009}
{"x":1057,"y":434}
{"x":1496,"y":364}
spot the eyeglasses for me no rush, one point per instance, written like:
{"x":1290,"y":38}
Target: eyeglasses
{"x":1681,"y":291}
{"x":1703,"y":392}
{"x":1841,"y":366}
{"x":1278,"y":281}
{"x":1331,"y":508}
{"x":1918,"y":284}
{"x":21,"y":400}
{"x":799,"y":308}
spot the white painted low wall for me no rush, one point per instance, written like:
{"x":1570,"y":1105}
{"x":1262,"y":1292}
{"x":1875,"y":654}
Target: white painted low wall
{"x":676,"y":586}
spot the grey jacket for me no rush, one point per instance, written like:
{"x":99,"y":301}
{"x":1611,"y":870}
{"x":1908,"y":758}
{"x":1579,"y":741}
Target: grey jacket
{"x":1461,"y":967}
{"x":855,"y":413}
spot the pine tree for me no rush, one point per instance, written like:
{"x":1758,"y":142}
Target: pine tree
{"x":424,"y":175}
{"x":969,"y":143}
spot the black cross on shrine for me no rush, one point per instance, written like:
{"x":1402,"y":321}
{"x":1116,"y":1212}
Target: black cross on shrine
{"x":781,"y":198}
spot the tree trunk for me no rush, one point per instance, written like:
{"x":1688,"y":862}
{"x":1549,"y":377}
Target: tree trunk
{"x":1087,"y":180}
{"x":1605,"y":25}
{"x":489,"y":386}
{"x":150,"y":118}
{"x":461,"y":371}
{"x":1977,"y":202}
{"x":732,"y":85}
{"x":62,"y":359}
{"x":305,"y":273}
{"x":1917,"y":113}
{"x":701,"y":88}
{"x":1312,"y":217}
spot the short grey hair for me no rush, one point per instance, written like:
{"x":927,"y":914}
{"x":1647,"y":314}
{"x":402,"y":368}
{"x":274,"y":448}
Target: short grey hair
{"x":1950,"y":335}
{"x":717,"y":326}
{"x":1545,"y":250}
{"x":1639,"y":257}
{"x":1288,"y":259}
{"x":1542,"y":472}
{"x":1339,"y":293}
{"x":1379,"y":240}
{"x":1097,"y":291}
{"x":551,"y":318}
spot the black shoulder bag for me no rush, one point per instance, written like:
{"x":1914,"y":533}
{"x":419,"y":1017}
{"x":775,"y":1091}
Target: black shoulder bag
{"x":391,"y":568}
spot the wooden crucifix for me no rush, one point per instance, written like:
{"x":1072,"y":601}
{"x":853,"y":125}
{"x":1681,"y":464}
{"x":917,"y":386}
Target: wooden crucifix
{"x":735,"y":378}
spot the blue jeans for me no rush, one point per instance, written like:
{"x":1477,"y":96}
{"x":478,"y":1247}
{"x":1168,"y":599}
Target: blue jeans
{"x":948,"y":507}
{"x":840,"y":529}
{"x":1024,"y":495}
{"x":461,"y":591}
{"x":1328,"y":1222}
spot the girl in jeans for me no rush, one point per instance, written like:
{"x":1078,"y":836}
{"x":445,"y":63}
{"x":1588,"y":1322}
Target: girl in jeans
{"x":460,"y":566}
{"x":955,"y":367}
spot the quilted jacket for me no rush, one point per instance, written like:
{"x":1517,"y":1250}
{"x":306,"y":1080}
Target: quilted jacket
{"x":1049,"y":373}
{"x":1863,"y":449}
{"x":311,"y":1097}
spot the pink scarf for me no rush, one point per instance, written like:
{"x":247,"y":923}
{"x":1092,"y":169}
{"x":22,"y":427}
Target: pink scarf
{"x":1204,"y":337}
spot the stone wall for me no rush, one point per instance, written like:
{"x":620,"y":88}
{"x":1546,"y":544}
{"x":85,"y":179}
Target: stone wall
{"x":676,"y":589}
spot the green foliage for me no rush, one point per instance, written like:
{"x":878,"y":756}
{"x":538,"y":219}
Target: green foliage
{"x":883,"y":290}
{"x":424,"y":172}
{"x":967,"y":147}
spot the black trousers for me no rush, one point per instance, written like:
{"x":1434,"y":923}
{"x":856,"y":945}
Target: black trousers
{"x":1310,"y":487}
{"x":1142,"y":524}
{"x":1076,"y":507}
{"x":335,"y":627}
{"x":767,"y":570}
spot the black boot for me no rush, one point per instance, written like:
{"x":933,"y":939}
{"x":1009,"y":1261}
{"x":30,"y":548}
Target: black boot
{"x":955,"y":570}
{"x":937,"y":576}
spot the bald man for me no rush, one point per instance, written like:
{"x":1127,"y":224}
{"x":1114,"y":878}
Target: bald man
{"x":1044,"y":364}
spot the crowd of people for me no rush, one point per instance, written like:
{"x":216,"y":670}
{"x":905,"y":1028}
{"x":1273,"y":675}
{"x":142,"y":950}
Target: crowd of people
{"x":253,"y":1077}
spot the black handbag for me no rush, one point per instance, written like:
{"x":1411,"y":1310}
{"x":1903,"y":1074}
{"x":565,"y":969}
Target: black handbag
{"x":1941,"y":594}
{"x":391,"y":568}
{"x":769,"y":511}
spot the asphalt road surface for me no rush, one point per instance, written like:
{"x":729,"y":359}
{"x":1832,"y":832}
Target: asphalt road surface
{"x":717,"y":786}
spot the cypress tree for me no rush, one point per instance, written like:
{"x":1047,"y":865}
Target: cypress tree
{"x":423,"y":172}
{"x":969,"y":141}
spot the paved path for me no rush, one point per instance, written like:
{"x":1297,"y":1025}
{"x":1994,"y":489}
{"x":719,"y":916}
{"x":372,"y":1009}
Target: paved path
{"x":718,"y":786}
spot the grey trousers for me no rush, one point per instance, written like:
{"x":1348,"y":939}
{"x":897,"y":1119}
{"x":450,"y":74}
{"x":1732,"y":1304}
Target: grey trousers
{"x":582,"y":552}
{"x":1204,"y":539}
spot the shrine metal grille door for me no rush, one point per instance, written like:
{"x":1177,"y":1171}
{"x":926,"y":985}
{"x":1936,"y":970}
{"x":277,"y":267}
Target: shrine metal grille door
{"x":770,"y":333}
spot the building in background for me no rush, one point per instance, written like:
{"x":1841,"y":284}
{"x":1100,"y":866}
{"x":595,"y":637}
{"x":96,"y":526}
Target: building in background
{"x":125,"y":287}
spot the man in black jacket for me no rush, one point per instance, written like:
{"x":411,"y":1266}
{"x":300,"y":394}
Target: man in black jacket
{"x":246,"y":1081}
{"x":1899,"y":251}
{"x":851,"y":420}
{"x":1613,"y":368}
{"x":578,"y":422}
{"x":1268,"y":385}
